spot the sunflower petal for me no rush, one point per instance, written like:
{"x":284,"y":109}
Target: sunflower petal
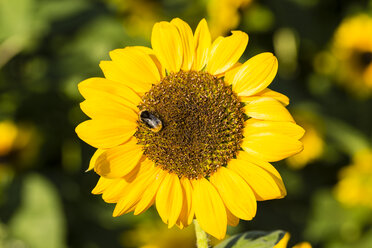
{"x":152,"y":55}
{"x":102,"y":87}
{"x":119,"y":161}
{"x":133,"y":192}
{"x":115,"y":192}
{"x":95,"y":109}
{"x":265,"y":184}
{"x":148,"y":197}
{"x":226,"y":52}
{"x":267,"y":108}
{"x":253,"y":126}
{"x":94,"y":159}
{"x":187,"y":212}
{"x":232,"y":220}
{"x":139,"y":67}
{"x":254,"y":75}
{"x":202,"y":41}
{"x":267,"y":93}
{"x":271,"y":147}
{"x":106,"y":133}
{"x":102,"y":185}
{"x":167,"y":45}
{"x":209,"y":208}
{"x":169,"y":199}
{"x":132,"y":68}
{"x":235,"y":193}
{"x":187,"y":42}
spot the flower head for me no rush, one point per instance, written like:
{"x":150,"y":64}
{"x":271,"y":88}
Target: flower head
{"x":356,"y":181}
{"x":188,"y":128}
{"x":350,"y":58}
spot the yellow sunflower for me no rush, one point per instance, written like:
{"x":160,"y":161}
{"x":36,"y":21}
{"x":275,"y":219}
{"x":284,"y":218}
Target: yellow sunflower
{"x":355,"y":185}
{"x":224,"y":15}
{"x":350,"y":57}
{"x":186,"y":127}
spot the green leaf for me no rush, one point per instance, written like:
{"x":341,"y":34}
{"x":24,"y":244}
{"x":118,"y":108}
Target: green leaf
{"x":253,"y":239}
{"x":39,"y":221}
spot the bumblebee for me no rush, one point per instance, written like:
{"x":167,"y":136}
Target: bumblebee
{"x":151,"y":121}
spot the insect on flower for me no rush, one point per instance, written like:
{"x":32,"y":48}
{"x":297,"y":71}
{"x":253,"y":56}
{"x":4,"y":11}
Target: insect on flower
{"x":150,"y":120}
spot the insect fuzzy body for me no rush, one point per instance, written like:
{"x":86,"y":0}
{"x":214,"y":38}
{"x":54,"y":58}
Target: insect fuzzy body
{"x":151,"y":121}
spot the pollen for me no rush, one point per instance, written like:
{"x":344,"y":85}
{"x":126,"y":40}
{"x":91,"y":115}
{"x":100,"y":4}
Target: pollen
{"x":202,"y":124}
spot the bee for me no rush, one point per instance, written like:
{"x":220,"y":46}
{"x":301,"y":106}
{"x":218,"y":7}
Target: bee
{"x":150,"y":120}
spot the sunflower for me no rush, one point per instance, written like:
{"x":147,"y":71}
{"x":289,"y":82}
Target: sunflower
{"x":188,"y":128}
{"x":349,"y":60}
{"x":356,"y":181}
{"x":225,"y":14}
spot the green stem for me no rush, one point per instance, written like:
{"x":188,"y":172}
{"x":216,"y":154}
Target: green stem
{"x":201,"y":236}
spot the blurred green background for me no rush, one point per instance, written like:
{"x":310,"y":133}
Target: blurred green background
{"x":47,"y":47}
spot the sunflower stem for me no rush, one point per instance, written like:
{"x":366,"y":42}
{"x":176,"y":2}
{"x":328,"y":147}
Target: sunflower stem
{"x":201,"y":236}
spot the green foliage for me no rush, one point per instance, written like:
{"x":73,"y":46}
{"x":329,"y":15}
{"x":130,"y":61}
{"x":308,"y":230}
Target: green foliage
{"x":334,"y":224}
{"x":253,"y":239}
{"x":39,"y":221}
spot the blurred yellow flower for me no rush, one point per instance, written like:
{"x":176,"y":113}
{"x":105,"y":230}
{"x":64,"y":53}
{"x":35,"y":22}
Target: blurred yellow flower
{"x":223,"y":15}
{"x":173,"y":132}
{"x":355,"y":185}
{"x":138,"y":15}
{"x":284,"y":242}
{"x":153,"y":234}
{"x":8,"y":135}
{"x":352,"y":50}
{"x":312,"y":140}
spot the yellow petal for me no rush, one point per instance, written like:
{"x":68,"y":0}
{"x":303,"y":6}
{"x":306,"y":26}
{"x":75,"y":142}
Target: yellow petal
{"x":253,"y":126}
{"x":269,"y":109}
{"x":133,"y":192}
{"x":137,"y":68}
{"x":209,"y":208}
{"x":271,"y":147}
{"x":303,"y":245}
{"x":254,"y":75}
{"x":265,"y":184}
{"x":187,"y":212}
{"x":235,"y":193}
{"x":267,"y":93}
{"x":202,"y":41}
{"x":119,"y":161}
{"x":115,"y":192}
{"x":167,"y":45}
{"x":232,"y":220}
{"x":106,"y":133}
{"x":122,"y":186}
{"x":226,"y":52}
{"x":148,"y":197}
{"x":94,"y":159}
{"x":131,"y":67}
{"x":187,"y":42}
{"x":104,"y":107}
{"x":283,"y":242}
{"x":152,"y":55}
{"x":101,"y":87}
{"x":102,"y":185}
{"x":169,"y":199}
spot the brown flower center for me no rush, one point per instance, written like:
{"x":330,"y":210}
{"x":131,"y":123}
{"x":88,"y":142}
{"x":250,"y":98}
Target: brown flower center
{"x":201,"y":120}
